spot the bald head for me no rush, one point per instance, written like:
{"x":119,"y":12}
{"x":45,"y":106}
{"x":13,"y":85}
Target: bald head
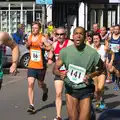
{"x":83,"y":29}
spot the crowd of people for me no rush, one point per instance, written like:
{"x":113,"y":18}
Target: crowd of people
{"x":82,"y":65}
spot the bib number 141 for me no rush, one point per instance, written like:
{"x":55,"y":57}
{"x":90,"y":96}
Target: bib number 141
{"x":76,"y":74}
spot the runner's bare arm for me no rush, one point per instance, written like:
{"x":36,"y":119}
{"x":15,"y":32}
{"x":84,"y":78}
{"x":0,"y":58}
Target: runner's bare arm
{"x":8,"y":41}
{"x":109,"y":51}
{"x":46,"y":44}
{"x":57,"y":66}
{"x":51,"y":52}
{"x":100,"y":69}
{"x":112,"y":56}
{"x":28,"y":43}
{"x":70,"y":43}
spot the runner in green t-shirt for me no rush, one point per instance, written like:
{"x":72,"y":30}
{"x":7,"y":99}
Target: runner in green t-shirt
{"x":82,"y":63}
{"x":6,"y":40}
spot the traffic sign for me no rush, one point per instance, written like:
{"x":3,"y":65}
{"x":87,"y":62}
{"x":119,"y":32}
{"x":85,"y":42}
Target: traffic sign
{"x":44,"y":2}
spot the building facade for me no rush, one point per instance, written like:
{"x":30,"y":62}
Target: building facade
{"x":85,"y":13}
{"x":15,"y":12}
{"x":73,"y":12}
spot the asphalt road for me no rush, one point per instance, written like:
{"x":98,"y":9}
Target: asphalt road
{"x":14,"y":99}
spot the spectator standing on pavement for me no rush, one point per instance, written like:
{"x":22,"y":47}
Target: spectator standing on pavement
{"x":37,"y":44}
{"x":82,"y":64}
{"x":6,"y":39}
{"x":20,"y":34}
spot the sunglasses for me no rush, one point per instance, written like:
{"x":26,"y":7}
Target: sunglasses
{"x":60,"y":34}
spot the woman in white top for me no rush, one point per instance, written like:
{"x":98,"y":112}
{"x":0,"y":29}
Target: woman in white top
{"x":99,"y":81}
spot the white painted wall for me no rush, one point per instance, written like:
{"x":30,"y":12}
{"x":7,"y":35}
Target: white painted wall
{"x":118,"y":11}
{"x":49,"y":13}
{"x":81,"y":14}
{"x":73,"y":27}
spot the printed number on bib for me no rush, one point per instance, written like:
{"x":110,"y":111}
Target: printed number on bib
{"x":76,"y":74}
{"x":35,"y":55}
{"x":115,"y":47}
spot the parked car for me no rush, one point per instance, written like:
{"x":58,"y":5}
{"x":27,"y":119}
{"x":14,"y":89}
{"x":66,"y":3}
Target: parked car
{"x":24,"y":56}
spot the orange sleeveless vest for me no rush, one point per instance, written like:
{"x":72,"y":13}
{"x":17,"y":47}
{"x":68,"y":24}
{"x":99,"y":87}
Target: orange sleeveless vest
{"x":36,"y":59}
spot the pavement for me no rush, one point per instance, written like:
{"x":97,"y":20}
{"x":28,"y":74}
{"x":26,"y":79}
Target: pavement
{"x":14,"y":99}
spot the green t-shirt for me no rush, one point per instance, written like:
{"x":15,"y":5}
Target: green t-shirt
{"x":78,"y":64}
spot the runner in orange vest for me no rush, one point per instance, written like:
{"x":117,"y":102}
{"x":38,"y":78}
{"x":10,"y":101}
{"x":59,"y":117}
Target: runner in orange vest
{"x":37,"y":64}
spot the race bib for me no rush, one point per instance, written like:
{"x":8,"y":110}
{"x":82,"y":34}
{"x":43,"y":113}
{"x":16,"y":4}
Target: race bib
{"x":63,"y":68}
{"x":35,"y":55}
{"x":56,"y":56}
{"x":76,"y":74}
{"x":115,"y":47}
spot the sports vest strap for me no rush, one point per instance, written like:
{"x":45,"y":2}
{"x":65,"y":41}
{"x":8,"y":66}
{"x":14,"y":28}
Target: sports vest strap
{"x":58,"y":48}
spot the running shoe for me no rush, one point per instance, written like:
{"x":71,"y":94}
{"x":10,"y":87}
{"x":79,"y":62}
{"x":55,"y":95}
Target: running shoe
{"x":31,"y":109}
{"x":97,"y":105}
{"x":116,"y":88}
{"x":101,"y":106}
{"x":45,"y":95}
{"x":58,"y":118}
{"x":108,"y":81}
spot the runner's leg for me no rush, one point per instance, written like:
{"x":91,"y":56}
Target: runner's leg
{"x":59,"y":89}
{"x":31,"y":81}
{"x":72,"y":107}
{"x":41,"y":84}
{"x":85,"y":109}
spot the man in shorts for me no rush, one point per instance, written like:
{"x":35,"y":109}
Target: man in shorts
{"x":57,"y":46}
{"x":6,"y":40}
{"x":82,"y":64}
{"x":37,"y":44}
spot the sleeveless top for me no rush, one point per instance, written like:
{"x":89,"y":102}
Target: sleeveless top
{"x":57,"y":51}
{"x":58,"y":48}
{"x":101,"y":52}
{"x":36,"y":55}
{"x":115,"y":47}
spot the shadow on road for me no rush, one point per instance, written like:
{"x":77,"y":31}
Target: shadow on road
{"x":49,"y":106}
{"x":106,"y":88}
{"x":113,"y":104}
{"x":109,"y":96}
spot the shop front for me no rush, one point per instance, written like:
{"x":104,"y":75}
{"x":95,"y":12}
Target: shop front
{"x":85,"y":13}
{"x":14,"y":13}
